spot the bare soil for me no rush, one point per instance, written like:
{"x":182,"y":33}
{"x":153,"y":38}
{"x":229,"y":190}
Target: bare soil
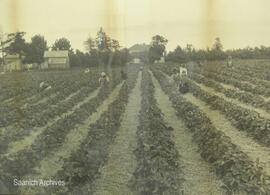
{"x":121,"y":161}
{"x":239,"y":138}
{"x":200,"y":177}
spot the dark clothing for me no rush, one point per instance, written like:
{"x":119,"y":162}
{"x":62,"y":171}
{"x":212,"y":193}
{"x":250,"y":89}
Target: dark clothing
{"x":123,"y":75}
{"x":184,"y":85}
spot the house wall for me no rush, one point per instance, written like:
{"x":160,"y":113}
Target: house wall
{"x":13,"y":65}
{"x":58,"y":63}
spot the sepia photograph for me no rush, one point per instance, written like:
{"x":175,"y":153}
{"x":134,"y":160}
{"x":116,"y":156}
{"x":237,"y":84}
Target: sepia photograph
{"x":134,"y":97}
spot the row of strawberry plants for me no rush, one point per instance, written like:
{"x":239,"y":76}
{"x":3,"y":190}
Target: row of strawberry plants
{"x":22,"y":85}
{"x":22,"y":163}
{"x":242,"y":75}
{"x":26,"y":118}
{"x":261,"y":90}
{"x":254,"y":68}
{"x":245,"y":97}
{"x":242,"y":118}
{"x":30,"y":116}
{"x":158,"y":170}
{"x":66,"y":86}
{"x":36,"y":118}
{"x":82,"y":167}
{"x":211,"y":72}
{"x":237,"y":171}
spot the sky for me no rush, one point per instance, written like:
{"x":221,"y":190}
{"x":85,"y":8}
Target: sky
{"x":238,"y":23}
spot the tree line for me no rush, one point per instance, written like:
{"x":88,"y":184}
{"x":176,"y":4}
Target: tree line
{"x":99,"y":50}
{"x":190,"y":53}
{"x":217,"y":52}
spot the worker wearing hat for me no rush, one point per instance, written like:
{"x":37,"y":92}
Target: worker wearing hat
{"x":103,"y":79}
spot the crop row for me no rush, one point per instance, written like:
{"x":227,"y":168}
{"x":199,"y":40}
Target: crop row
{"x":242,"y":118}
{"x":82,"y":167}
{"x":33,"y":115}
{"x":243,"y":75}
{"x":42,"y":114}
{"x":158,"y":170}
{"x":254,"y":68}
{"x":211,"y":72}
{"x":233,"y":166}
{"x":245,"y":97}
{"x":80,"y":170}
{"x":40,"y":117}
{"x":261,"y":90}
{"x":50,"y":140}
{"x":62,"y":87}
{"x":21,"y":86}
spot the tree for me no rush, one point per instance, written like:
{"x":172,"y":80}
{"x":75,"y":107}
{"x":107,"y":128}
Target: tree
{"x":15,"y":44}
{"x":158,"y":47}
{"x":35,"y":49}
{"x":103,"y":42}
{"x":61,"y":44}
{"x":124,"y":56}
{"x":90,"y":44}
{"x":115,"y":45}
{"x":218,"y":45}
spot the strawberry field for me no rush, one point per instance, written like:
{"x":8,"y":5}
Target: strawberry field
{"x":137,"y":134}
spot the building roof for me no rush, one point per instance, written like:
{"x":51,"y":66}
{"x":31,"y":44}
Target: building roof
{"x":139,"y":48}
{"x":55,"y":54}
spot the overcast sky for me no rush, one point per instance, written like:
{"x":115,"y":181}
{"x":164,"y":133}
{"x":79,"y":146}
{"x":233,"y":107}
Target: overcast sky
{"x":239,"y":23}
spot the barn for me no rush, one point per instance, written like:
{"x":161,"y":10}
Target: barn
{"x":12,"y":63}
{"x":56,"y":59}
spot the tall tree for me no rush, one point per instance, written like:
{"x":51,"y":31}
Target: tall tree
{"x":36,"y":49}
{"x":90,"y":44}
{"x":61,"y":44}
{"x":15,"y":44}
{"x":115,"y":45}
{"x":218,"y":45}
{"x":158,"y":47}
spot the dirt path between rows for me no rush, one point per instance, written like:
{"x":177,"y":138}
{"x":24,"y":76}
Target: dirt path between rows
{"x":29,"y":140}
{"x":46,"y":99}
{"x":212,"y":91}
{"x":228,"y":86}
{"x":239,"y":138}
{"x":51,"y":164}
{"x":121,"y":161}
{"x":200,"y":177}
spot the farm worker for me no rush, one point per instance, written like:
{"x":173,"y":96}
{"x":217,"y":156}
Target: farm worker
{"x":123,"y":75}
{"x":229,"y":61}
{"x":184,"y":86}
{"x":44,"y":86}
{"x":103,"y":79}
{"x":141,"y":68}
{"x":183,"y":71}
{"x":175,"y":78}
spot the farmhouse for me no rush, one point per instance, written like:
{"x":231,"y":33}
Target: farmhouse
{"x":139,"y":48}
{"x":12,"y":63}
{"x":56,"y":60}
